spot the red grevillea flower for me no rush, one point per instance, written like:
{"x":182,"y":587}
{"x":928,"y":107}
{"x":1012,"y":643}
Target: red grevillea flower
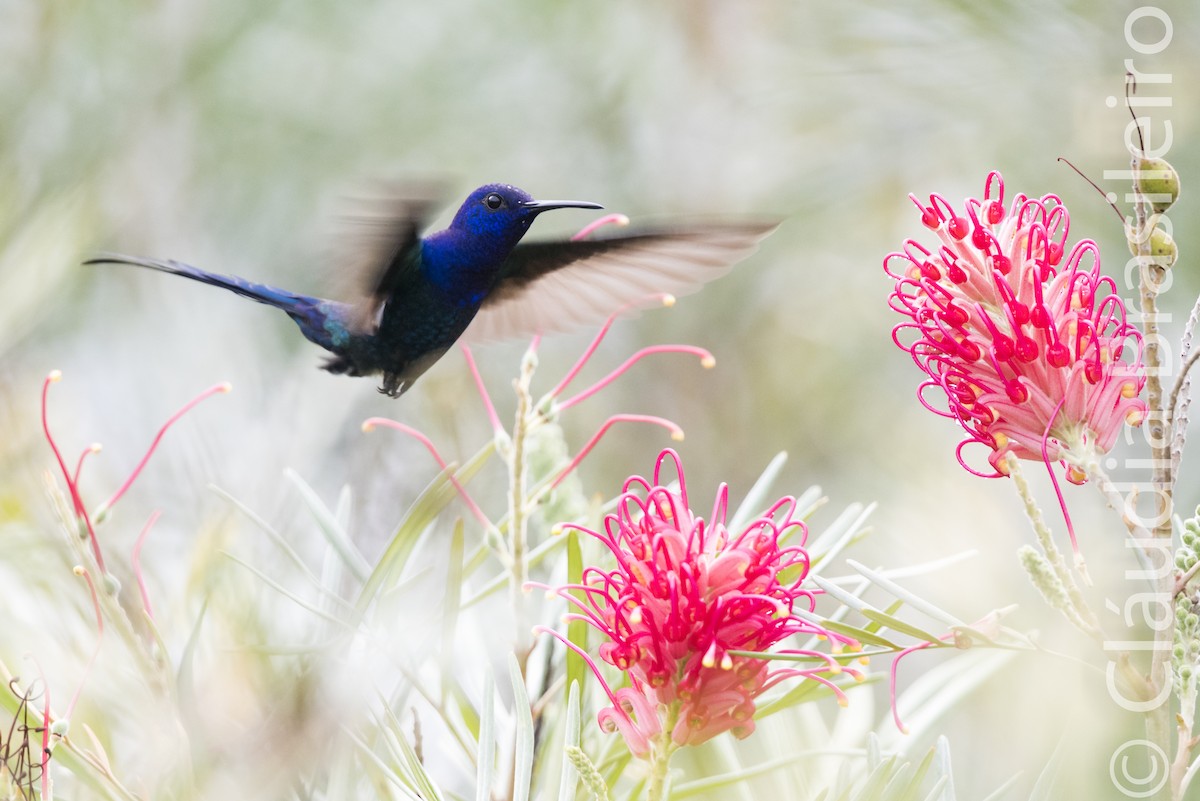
{"x":1027,"y":341}
{"x":686,"y":599}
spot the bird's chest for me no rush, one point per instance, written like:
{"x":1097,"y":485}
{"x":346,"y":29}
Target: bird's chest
{"x":425,"y":318}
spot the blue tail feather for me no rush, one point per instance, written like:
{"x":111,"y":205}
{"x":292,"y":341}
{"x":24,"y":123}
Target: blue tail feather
{"x":324,"y":322}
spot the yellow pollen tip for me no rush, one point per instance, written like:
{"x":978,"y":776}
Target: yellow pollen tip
{"x":1135,"y":417}
{"x":1001,"y":440}
{"x":708,"y":362}
{"x":95,"y":447}
{"x":708,"y":661}
{"x":864,"y":661}
{"x":859,"y":678}
{"x":556,"y":530}
{"x":1129,"y":390}
{"x":79,"y":570}
{"x":843,"y":702}
{"x":677,"y":436}
{"x":368,"y":426}
{"x":835,"y":670}
{"x":225,"y":387}
{"x":822,"y":637}
{"x":55,"y":375}
{"x":668,"y":301}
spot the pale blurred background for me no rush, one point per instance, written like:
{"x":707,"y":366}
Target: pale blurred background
{"x":225,"y":133}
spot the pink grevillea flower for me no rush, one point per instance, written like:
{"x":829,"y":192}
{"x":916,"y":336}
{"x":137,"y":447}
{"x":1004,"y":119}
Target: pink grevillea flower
{"x":1025,"y":339}
{"x":691,"y":610}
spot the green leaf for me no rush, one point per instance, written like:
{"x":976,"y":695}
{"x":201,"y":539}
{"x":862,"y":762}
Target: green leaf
{"x":914,"y":601}
{"x":848,"y":526}
{"x":284,"y":591}
{"x":756,"y":498}
{"x":835,"y":592}
{"x":428,"y":505}
{"x":806,"y":691}
{"x":523,"y":714}
{"x":185,"y":687}
{"x":335,"y":535}
{"x":502,"y":579}
{"x":862,"y":635}
{"x":466,"y":709}
{"x":892,"y":609}
{"x":279,"y":540}
{"x":899,"y":626}
{"x":708,"y":784}
{"x":486,"y":752}
{"x":372,"y":761}
{"x":912,"y":792}
{"x":577,"y":630}
{"x":1045,"y":788}
{"x":570,"y":777}
{"x":942,"y":755}
{"x":453,"y":597}
{"x":410,"y":764}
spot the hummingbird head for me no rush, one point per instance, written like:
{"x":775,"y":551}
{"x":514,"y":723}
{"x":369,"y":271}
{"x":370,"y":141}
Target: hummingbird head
{"x":503,"y":213}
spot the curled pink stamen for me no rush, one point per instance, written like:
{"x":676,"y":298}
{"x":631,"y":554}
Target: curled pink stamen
{"x":892,"y":682}
{"x":609,"y":219}
{"x":72,"y":487}
{"x":216,"y":389}
{"x":483,"y":393}
{"x":93,"y":448}
{"x":136,"y":563}
{"x":82,"y":571}
{"x":707,"y":360}
{"x":676,"y":434}
{"x":370,"y":423}
{"x":663,"y":298}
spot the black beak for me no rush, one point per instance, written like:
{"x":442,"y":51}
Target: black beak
{"x":538,"y":206}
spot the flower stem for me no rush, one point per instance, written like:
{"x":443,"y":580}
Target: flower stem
{"x":661,"y":749}
{"x":518,"y":521}
{"x":1158,"y":720}
{"x":1077,"y":611}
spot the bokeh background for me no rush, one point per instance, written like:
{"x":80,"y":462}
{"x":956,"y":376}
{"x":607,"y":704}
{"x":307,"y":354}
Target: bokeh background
{"x":226,"y":134}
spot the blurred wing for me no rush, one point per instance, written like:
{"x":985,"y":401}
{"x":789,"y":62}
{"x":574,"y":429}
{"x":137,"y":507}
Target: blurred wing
{"x":550,"y":287}
{"x":383,"y":245}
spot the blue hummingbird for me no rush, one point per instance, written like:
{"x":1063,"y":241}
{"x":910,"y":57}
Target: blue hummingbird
{"x":474,"y":281}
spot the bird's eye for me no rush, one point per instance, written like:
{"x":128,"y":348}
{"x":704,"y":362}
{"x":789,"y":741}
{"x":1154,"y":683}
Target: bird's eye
{"x":493,"y":201}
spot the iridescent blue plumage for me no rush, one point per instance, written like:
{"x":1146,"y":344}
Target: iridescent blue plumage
{"x":475,"y":277}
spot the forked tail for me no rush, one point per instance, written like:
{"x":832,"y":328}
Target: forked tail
{"x":321,"y":321}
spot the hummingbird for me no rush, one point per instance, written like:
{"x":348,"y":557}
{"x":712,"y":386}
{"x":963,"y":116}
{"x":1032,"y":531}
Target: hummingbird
{"x":476,"y":281}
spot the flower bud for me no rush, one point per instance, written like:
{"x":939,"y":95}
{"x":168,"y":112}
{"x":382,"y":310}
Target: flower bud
{"x":1158,"y":181}
{"x":1163,"y":251}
